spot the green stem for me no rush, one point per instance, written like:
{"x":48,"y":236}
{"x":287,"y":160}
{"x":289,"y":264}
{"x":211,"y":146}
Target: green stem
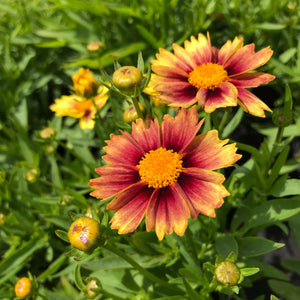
{"x":138,"y":267}
{"x":223,"y":121}
{"x":275,"y":147}
{"x":137,"y":107}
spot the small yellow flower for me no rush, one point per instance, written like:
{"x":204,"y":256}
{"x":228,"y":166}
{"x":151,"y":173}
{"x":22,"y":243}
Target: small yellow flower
{"x":1,"y":219}
{"x":84,"y":233}
{"x":84,"y":83}
{"x":46,"y":133}
{"x":127,"y":77}
{"x":130,"y":114}
{"x":23,"y":287}
{"x":227,"y":273}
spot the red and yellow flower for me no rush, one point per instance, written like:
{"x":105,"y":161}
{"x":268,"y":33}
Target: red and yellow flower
{"x":213,"y":78}
{"x":79,"y":107}
{"x":166,"y":175}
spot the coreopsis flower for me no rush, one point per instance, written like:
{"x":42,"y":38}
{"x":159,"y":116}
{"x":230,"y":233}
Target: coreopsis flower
{"x":127,"y":77}
{"x":166,"y":174}
{"x":79,"y":107}
{"x":213,"y":78}
{"x":84,"y":233}
{"x":84,"y":83}
{"x":23,"y":287}
{"x":130,"y":114}
{"x":227,"y":273}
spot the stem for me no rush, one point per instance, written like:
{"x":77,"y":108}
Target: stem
{"x":137,"y":107}
{"x":138,"y":267}
{"x":223,"y":120}
{"x":275,"y":146}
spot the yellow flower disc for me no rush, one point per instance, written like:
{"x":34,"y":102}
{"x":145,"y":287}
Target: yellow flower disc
{"x":160,"y":168}
{"x":207,"y":76}
{"x":23,"y":287}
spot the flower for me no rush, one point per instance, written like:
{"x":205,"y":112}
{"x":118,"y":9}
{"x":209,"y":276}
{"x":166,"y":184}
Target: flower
{"x":46,"y":133}
{"x":78,"y":107}
{"x":227,"y":273}
{"x":84,"y":233}
{"x":166,"y":175}
{"x":127,"y":77}
{"x":213,"y":78}
{"x":130,"y":114}
{"x":93,"y":287}
{"x":23,"y":287}
{"x":84,"y":83}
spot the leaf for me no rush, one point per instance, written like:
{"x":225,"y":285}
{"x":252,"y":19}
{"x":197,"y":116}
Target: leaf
{"x":78,"y":279}
{"x":249,"y":271}
{"x":52,"y":268}
{"x":232,"y":125}
{"x":254,"y":246}
{"x":62,"y":235}
{"x":225,"y":244}
{"x":270,"y":26}
{"x":282,"y":289}
{"x":285,"y":187}
{"x":292,"y":265}
{"x":273,"y":211}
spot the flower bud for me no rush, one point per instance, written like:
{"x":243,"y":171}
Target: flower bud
{"x":23,"y":287}
{"x":130,"y":114}
{"x":84,"y":83}
{"x":95,"y":46}
{"x":46,"y":133}
{"x":127,"y":77}
{"x":84,"y":234}
{"x":281,"y":117}
{"x":93,"y":288}
{"x":227,"y":273}
{"x":31,"y":175}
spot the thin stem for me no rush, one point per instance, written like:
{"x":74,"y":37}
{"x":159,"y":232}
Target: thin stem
{"x":223,"y":120}
{"x":138,"y":267}
{"x":137,"y":107}
{"x":274,"y":150}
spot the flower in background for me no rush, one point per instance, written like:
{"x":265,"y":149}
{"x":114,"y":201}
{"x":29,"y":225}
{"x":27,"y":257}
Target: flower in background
{"x":79,"y":107}
{"x":213,"y":78}
{"x":227,"y":273}
{"x":85,"y":84}
{"x":84,"y":233}
{"x":23,"y":287}
{"x":166,"y":175}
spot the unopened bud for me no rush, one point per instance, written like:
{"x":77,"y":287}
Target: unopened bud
{"x":227,"y":273}
{"x":130,"y":114}
{"x":23,"y":287}
{"x":127,"y":77}
{"x":84,"y":234}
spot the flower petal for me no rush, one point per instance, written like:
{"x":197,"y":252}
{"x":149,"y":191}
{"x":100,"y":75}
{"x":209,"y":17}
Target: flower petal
{"x":167,"y":211}
{"x":222,"y":96}
{"x":207,"y":151}
{"x":251,"y":104}
{"x":148,"y":137}
{"x":251,"y":79}
{"x":245,"y":59}
{"x":203,"y":196}
{"x":228,"y":49}
{"x":168,"y":59}
{"x":199,"y":49}
{"x":129,"y":216}
{"x":118,"y":145}
{"x":170,"y":72}
{"x":114,"y":178}
{"x":178,"y":132}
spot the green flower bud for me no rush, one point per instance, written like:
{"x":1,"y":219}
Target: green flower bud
{"x":227,"y":273}
{"x":281,"y":117}
{"x":130,"y":114}
{"x":127,"y":77}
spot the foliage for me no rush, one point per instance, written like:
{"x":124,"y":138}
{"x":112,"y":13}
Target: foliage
{"x":44,"y":181}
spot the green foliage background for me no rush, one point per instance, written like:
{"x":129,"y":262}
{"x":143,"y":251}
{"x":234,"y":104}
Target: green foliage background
{"x":42,"y":44}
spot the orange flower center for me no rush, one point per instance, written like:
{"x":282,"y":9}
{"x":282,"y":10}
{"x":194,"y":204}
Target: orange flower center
{"x":160,"y":168}
{"x":207,"y":76}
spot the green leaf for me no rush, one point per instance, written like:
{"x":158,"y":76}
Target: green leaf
{"x":78,"y":279}
{"x":190,"y":291}
{"x":249,"y":271}
{"x":294,"y":224}
{"x":282,"y":289}
{"x":273,"y":297}
{"x":254,"y":246}
{"x":62,"y":235}
{"x":270,"y":26}
{"x":273,"y":211}
{"x":292,"y":265}
{"x":285,"y":187}
{"x":232,"y":125}
{"x":53,"y":268}
{"x":225,"y":244}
